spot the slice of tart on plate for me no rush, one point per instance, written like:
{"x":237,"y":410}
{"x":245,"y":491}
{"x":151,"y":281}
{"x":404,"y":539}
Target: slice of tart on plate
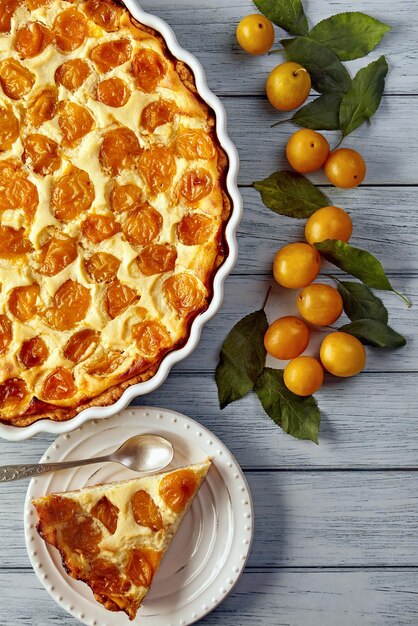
{"x":114,"y":536}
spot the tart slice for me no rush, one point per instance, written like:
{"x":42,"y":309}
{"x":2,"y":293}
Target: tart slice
{"x":113,"y":536}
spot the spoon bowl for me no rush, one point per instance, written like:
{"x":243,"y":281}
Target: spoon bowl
{"x":145,"y":453}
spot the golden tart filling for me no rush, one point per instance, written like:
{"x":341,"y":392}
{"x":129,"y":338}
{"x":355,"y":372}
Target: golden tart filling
{"x":112,"y":205}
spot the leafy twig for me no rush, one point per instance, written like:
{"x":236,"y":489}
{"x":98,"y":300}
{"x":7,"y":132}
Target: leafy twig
{"x":266,"y":298}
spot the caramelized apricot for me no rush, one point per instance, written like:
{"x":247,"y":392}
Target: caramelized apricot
{"x":9,"y":168}
{"x":142,"y":565}
{"x":148,"y":69}
{"x":145,"y":511}
{"x":157,"y":166}
{"x":106,"y":364}
{"x":107,"y":513}
{"x":58,"y":385}
{"x":118,"y":149}
{"x":196,"y":185}
{"x":156,"y":114}
{"x":72,"y":194}
{"x":33,"y":352}
{"x":56,"y":510}
{"x":15,"y":79}
{"x":12,"y":392}
{"x":81,"y":345}
{"x":125,"y":197}
{"x":177,"y":488}
{"x":157,"y":258}
{"x":56,"y":254}
{"x":23,"y":302}
{"x":32,"y":39}
{"x":103,"y":13}
{"x":42,"y":107}
{"x":99,"y":227}
{"x":41,"y":153}
{"x":118,"y":298}
{"x":194,"y":144}
{"x":82,"y":536}
{"x":105,"y":579}
{"x":7,"y":9}
{"x":102,"y":267}
{"x":6,"y":333}
{"x":111,"y":54}
{"x":150,"y":338}
{"x":9,"y":128}
{"x":194,"y":229}
{"x":142,"y":225}
{"x":13,"y":243}
{"x":114,"y":92}
{"x":70,"y":29}
{"x":183,"y":293}
{"x":72,"y":74}
{"x":70,"y":305}
{"x":75,"y":121}
{"x":20,"y":193}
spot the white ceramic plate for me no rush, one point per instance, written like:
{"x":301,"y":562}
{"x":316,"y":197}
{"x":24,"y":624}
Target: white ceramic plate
{"x":210,"y":550}
{"x":14,"y":433}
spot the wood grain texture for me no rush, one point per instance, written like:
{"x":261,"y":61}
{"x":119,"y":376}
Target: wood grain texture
{"x":368,"y":422}
{"x":388,"y":144}
{"x":305,"y":519}
{"x":231,"y":71}
{"x":385,"y":222}
{"x":380,"y":597}
{"x":343,"y":513}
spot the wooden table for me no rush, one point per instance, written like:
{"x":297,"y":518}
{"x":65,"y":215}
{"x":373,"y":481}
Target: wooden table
{"x":336,"y":524}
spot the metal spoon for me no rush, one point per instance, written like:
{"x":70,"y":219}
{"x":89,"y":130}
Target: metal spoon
{"x":143,"y":453}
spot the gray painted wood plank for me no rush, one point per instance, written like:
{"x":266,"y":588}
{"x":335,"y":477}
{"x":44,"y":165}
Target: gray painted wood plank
{"x":368,"y":422}
{"x":277,"y":597}
{"x":389,"y":136}
{"x":230,"y":71}
{"x":385,"y":222}
{"x":302,"y":519}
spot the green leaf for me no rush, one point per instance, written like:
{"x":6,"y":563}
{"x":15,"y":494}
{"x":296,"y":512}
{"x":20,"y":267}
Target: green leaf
{"x":288,"y":14}
{"x":350,"y":35}
{"x":361,"y":303}
{"x":321,"y":114}
{"x":354,"y":261}
{"x":242,"y":358}
{"x":363,"y":98}
{"x":327,"y":73}
{"x":374,"y":333}
{"x":291,"y":194}
{"x":299,"y":417}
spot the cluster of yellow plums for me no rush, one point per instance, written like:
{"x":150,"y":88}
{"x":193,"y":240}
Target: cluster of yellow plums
{"x":287,"y":87}
{"x":296,"y":266}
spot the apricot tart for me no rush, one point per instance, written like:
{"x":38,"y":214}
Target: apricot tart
{"x":112,"y":202}
{"x":113,"y":536}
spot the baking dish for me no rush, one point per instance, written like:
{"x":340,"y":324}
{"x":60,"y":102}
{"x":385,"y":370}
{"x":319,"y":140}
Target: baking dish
{"x":14,"y":433}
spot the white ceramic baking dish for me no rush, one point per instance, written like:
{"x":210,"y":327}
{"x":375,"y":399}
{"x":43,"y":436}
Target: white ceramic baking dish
{"x":13,"y":433}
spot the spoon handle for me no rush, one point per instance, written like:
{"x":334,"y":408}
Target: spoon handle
{"x":17,"y":472}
